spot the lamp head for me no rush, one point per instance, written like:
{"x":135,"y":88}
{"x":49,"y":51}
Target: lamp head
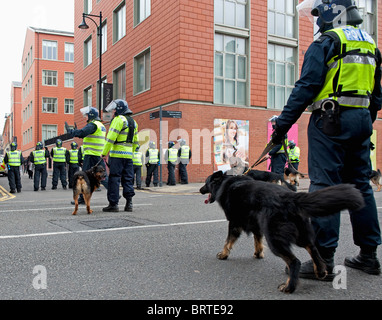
{"x":83,"y":24}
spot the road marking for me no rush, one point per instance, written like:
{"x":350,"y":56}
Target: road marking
{"x":66,"y":208}
{"x":5,"y":195}
{"x":46,"y":234}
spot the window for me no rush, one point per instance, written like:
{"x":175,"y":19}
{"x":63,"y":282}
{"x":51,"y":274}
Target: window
{"x":48,"y":131}
{"x":104,"y":39}
{"x":142,"y":70}
{"x":119,"y":22}
{"x":69,"y":79}
{"x":230,"y":70}
{"x":88,"y":52}
{"x":69,"y":106}
{"x":49,"y":50}
{"x":281,"y":18}
{"x":367,"y":9}
{"x":69,"y":52}
{"x":49,"y":78}
{"x":49,"y":105}
{"x":119,"y":83}
{"x":281,"y":75}
{"x":142,"y":9}
{"x":88,"y":97}
{"x":231,"y":12}
{"x":88,"y":6}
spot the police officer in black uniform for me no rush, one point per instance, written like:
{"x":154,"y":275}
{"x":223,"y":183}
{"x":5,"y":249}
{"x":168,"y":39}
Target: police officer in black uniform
{"x":344,"y":108}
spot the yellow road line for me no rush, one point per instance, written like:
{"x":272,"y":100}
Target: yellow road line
{"x":5,"y":195}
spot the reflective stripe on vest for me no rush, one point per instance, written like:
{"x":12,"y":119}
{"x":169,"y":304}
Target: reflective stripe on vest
{"x":153,"y":156}
{"x":59,"y":154}
{"x":185,"y":152}
{"x":137,"y":159}
{"x":121,"y":148}
{"x":39,"y":157}
{"x":172,"y":155}
{"x":294,"y":154}
{"x":94,"y":143}
{"x":350,"y":78}
{"x":14,"y":158}
{"x":73,"y":156}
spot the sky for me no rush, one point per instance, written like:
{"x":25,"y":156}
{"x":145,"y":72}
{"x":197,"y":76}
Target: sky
{"x":17,"y":16}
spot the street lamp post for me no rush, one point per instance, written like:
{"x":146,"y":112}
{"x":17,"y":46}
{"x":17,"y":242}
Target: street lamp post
{"x":83,"y":25}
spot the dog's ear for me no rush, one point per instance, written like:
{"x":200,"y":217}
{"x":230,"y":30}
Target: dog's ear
{"x":217,"y":175}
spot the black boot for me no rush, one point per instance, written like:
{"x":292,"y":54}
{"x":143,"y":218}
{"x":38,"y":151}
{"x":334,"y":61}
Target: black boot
{"x":111,"y":208}
{"x":129,"y":205}
{"x":307,"y":268}
{"x":366,"y":261}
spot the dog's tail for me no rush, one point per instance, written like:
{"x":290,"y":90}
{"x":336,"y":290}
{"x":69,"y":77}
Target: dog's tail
{"x":330,"y":200}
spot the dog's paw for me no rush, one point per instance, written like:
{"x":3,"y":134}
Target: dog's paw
{"x":321,"y":275}
{"x":286,"y":288}
{"x":222,"y":256}
{"x":259,"y":255}
{"x":90,"y":211}
{"x":74,"y":213}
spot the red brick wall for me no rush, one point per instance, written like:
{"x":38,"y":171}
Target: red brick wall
{"x":180,"y":35}
{"x":39,"y":91}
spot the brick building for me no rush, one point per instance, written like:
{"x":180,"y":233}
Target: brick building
{"x":47,"y":98}
{"x":211,"y":60}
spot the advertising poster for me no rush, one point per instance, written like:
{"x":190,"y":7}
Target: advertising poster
{"x":231,"y":145}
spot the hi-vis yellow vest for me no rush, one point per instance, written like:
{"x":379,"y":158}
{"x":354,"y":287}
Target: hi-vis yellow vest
{"x":14,"y":158}
{"x":94,"y":143}
{"x":350,"y":78}
{"x":59,"y":154}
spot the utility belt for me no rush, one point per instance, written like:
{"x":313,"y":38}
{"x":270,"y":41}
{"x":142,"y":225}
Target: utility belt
{"x":329,"y":112}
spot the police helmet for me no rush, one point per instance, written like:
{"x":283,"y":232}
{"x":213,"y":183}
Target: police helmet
{"x":90,"y":112}
{"x":59,"y":143}
{"x":334,"y":13}
{"x":291,"y":144}
{"x":13,"y":146}
{"x":120,"y":106}
{"x":171,"y":144}
{"x":182,"y":142}
{"x":39,"y":145}
{"x":74,"y":145}
{"x":272,"y":119}
{"x":152,"y":145}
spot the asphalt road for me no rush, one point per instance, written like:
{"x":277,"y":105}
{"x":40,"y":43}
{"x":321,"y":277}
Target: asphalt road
{"x":165,"y":250}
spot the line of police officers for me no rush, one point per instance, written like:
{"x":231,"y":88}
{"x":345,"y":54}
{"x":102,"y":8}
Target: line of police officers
{"x":120,"y":144}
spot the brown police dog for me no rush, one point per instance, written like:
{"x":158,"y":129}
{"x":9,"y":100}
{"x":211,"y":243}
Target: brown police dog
{"x":375,"y":177}
{"x":85,"y":182}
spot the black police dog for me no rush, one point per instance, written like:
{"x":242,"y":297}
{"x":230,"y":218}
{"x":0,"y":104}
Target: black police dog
{"x":270,"y":177}
{"x":86,"y":182}
{"x":281,"y":215}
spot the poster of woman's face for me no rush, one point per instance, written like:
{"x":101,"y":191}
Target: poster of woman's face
{"x":231,"y":139}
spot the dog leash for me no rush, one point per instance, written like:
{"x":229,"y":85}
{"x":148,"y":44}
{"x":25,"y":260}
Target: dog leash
{"x":100,"y":162}
{"x":263,"y":156}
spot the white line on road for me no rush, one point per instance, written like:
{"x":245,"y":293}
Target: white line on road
{"x":108,"y":230}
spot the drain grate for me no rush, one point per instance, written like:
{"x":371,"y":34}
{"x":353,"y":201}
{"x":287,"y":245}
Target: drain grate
{"x":110,"y":223}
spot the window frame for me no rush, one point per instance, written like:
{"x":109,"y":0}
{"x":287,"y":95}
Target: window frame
{"x":147,"y":71}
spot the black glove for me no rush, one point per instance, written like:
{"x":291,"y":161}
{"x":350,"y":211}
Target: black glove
{"x":277,"y":137}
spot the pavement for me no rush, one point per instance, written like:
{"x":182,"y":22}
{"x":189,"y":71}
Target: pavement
{"x":192,"y":188}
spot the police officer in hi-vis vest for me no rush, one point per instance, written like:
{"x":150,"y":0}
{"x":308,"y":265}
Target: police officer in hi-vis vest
{"x":14,"y":159}
{"x":73,"y":159}
{"x":138,"y":160}
{"x":171,"y":157}
{"x":93,"y":135}
{"x":152,"y":160}
{"x":38,"y":158}
{"x":277,"y":154}
{"x":58,"y":154}
{"x":184,"y":155}
{"x":341,"y":83}
{"x":121,"y":141}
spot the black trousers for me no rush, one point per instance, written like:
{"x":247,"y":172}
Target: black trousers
{"x":138,"y":175}
{"x":59,"y":171}
{"x":152,"y":170}
{"x":171,"y":174}
{"x":40,"y":172}
{"x":14,"y":178}
{"x":183,"y":172}
{"x":73,"y":168}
